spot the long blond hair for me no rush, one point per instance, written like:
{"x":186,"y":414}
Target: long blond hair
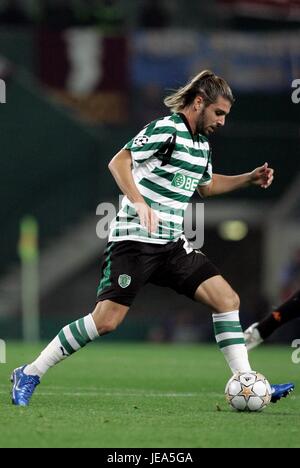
{"x":205,"y":84}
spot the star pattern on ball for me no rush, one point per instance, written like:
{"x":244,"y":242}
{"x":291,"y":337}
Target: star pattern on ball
{"x":246,"y":392}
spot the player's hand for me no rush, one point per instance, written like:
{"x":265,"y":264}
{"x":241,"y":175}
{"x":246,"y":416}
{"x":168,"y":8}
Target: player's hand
{"x":148,"y":217}
{"x":262,"y":176}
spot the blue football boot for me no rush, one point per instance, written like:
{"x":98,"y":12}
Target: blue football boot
{"x":23,"y":386}
{"x":281,"y":391}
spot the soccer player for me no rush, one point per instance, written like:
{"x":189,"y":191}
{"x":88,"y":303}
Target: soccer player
{"x":260,"y":331}
{"x":158,"y":171}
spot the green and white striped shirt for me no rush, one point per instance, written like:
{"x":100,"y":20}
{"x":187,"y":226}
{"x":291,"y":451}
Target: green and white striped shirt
{"x":167,"y":185}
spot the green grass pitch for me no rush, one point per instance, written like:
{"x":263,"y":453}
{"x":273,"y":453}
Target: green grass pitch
{"x":146,"y":395}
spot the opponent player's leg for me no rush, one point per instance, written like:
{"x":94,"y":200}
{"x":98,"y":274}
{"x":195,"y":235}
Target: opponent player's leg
{"x":218,"y":295}
{"x":258,"y":332}
{"x":106,"y":317}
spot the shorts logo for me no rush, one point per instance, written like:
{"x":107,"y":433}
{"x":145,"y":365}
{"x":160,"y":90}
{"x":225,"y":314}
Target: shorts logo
{"x":124,"y":281}
{"x":184,"y":182}
{"x":141,"y":141}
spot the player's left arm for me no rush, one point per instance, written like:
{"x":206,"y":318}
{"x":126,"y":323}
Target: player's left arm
{"x":261,"y":176}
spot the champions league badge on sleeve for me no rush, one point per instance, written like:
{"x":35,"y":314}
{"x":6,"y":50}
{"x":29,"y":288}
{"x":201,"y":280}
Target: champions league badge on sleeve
{"x":141,"y":140}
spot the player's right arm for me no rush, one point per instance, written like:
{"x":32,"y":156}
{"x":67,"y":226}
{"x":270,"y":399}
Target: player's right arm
{"x":120,"y":167}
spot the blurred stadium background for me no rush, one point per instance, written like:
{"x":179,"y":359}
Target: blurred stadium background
{"x":82,"y":77}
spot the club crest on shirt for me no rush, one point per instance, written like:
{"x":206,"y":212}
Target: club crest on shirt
{"x":185,"y":182}
{"x":124,"y":281}
{"x":141,"y":140}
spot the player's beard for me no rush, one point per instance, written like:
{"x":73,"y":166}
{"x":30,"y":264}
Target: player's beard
{"x":200,"y":123}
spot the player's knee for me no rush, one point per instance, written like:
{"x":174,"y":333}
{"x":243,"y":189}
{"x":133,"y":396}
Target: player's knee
{"x":108,"y":326}
{"x":236,"y":301}
{"x":230,"y":301}
{"x":108,"y":316}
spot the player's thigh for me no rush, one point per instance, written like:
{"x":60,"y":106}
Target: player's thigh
{"x":124,"y":271}
{"x":108,"y":315}
{"x":217,"y":293}
{"x":185,"y":270}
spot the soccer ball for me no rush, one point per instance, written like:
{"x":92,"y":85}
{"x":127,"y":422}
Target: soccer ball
{"x":248,"y":391}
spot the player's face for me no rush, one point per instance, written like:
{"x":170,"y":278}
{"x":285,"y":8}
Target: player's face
{"x":213,"y":116}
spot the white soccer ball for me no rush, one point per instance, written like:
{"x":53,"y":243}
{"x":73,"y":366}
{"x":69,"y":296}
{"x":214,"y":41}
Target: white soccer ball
{"x":249,"y":391}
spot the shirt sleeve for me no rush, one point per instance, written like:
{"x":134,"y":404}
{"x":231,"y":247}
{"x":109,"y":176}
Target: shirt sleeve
{"x":207,"y":176}
{"x":150,"y":140}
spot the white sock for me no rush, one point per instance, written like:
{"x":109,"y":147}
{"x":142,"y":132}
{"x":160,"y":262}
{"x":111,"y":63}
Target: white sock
{"x":230,"y":338}
{"x":69,"y":340}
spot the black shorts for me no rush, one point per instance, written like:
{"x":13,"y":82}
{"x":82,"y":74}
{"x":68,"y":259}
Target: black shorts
{"x":128,"y":265}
